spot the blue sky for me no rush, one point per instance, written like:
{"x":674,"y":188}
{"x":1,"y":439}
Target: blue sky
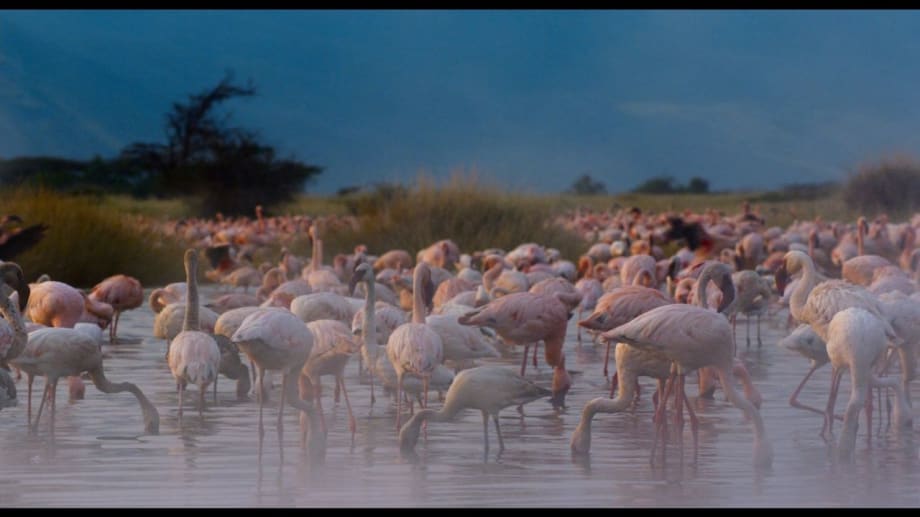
{"x":527,"y":99}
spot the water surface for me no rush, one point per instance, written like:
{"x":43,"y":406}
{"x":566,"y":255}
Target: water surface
{"x":100,"y":456}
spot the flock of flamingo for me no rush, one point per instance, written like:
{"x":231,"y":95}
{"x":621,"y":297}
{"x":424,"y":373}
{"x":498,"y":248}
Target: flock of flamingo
{"x":421,"y":324}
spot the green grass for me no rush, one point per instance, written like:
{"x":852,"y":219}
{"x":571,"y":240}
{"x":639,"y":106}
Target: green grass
{"x":87,"y":241}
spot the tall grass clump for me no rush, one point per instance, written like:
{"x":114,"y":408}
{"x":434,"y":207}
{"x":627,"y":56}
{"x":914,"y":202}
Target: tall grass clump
{"x":890,"y":185}
{"x":473,"y":215}
{"x":87,"y":241}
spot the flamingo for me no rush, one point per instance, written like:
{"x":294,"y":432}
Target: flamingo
{"x":817,"y":303}
{"x":224,"y":328}
{"x":65,"y":352}
{"x":193,"y":356}
{"x":415,"y":348}
{"x":230,"y":301}
{"x":168,"y":322}
{"x":691,"y":337}
{"x":620,"y":306}
{"x":486,"y":388}
{"x":162,"y":296}
{"x":856,"y":340}
{"x":12,"y":341}
{"x":319,"y":278}
{"x":394,"y":259}
{"x":123,"y":293}
{"x":56,"y":304}
{"x":278,"y":340}
{"x":526,"y":317}
{"x":752,"y":297}
{"x":333,"y":344}
{"x":805,"y":341}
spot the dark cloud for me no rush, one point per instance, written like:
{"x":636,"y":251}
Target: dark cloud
{"x":529,"y":99}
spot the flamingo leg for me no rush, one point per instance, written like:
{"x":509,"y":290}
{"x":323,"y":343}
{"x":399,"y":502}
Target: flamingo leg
{"x":284,"y":381}
{"x":424,"y":403}
{"x":536,"y":346}
{"x":524,"y":362}
{"x":352,"y":425}
{"x":831,"y":400}
{"x":793,"y":399}
{"x":485,"y":434}
{"x":694,"y":427}
{"x":202,"y":391}
{"x":578,"y":335}
{"x":498,"y":431}
{"x":29,"y":410}
{"x":215,"y":389}
{"x":317,"y":396}
{"x":181,"y":388}
{"x":759,"y":341}
{"x":304,"y":394}
{"x":261,"y":405}
{"x":399,"y":395}
{"x":45,"y":396}
{"x":53,"y":395}
{"x":660,"y":417}
{"x":613,"y":383}
{"x":606,"y":361}
{"x":748,"y":325}
{"x":337,"y":394}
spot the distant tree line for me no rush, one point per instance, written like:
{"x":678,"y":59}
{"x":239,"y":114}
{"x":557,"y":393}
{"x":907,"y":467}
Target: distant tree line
{"x":228,"y":168}
{"x":667,"y":185}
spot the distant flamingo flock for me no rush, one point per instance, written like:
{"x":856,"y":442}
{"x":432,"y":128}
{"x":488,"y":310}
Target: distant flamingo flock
{"x":438,"y":319}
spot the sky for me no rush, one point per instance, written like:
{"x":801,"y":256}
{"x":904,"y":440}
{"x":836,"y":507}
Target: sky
{"x":526,"y":100}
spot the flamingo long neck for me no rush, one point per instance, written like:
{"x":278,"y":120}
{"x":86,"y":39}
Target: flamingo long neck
{"x":860,"y":237}
{"x":802,"y":289}
{"x":488,"y":279}
{"x":191,"y":302}
{"x":763,"y":454}
{"x":408,"y":435}
{"x":317,"y":263}
{"x":418,"y":298}
{"x":156,"y":301}
{"x":10,"y":312}
{"x":151,"y":416}
{"x":369,"y":328}
{"x":908,"y":247}
{"x":581,"y":438}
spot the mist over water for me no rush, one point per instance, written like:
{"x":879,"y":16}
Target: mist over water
{"x":100,"y":456}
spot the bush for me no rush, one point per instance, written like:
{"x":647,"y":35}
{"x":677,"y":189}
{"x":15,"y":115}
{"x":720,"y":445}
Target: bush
{"x":87,"y":242}
{"x":585,"y":185}
{"x":891,"y":185}
{"x":472,"y":215}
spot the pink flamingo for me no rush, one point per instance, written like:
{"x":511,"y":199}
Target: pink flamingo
{"x":123,"y":293}
{"x":524,"y":318}
{"x":691,"y":337}
{"x":277,"y":340}
{"x":333,"y":344}
{"x":65,"y":352}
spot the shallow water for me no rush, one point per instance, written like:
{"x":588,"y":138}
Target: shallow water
{"x":100,"y":456}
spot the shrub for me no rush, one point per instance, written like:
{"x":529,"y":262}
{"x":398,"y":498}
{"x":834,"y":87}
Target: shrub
{"x":87,"y":242}
{"x":891,"y":185}
{"x":473,"y":215}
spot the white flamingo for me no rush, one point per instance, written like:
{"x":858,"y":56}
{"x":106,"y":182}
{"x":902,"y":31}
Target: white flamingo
{"x":193,"y":356}
{"x":486,"y":388}
{"x":415,"y":348}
